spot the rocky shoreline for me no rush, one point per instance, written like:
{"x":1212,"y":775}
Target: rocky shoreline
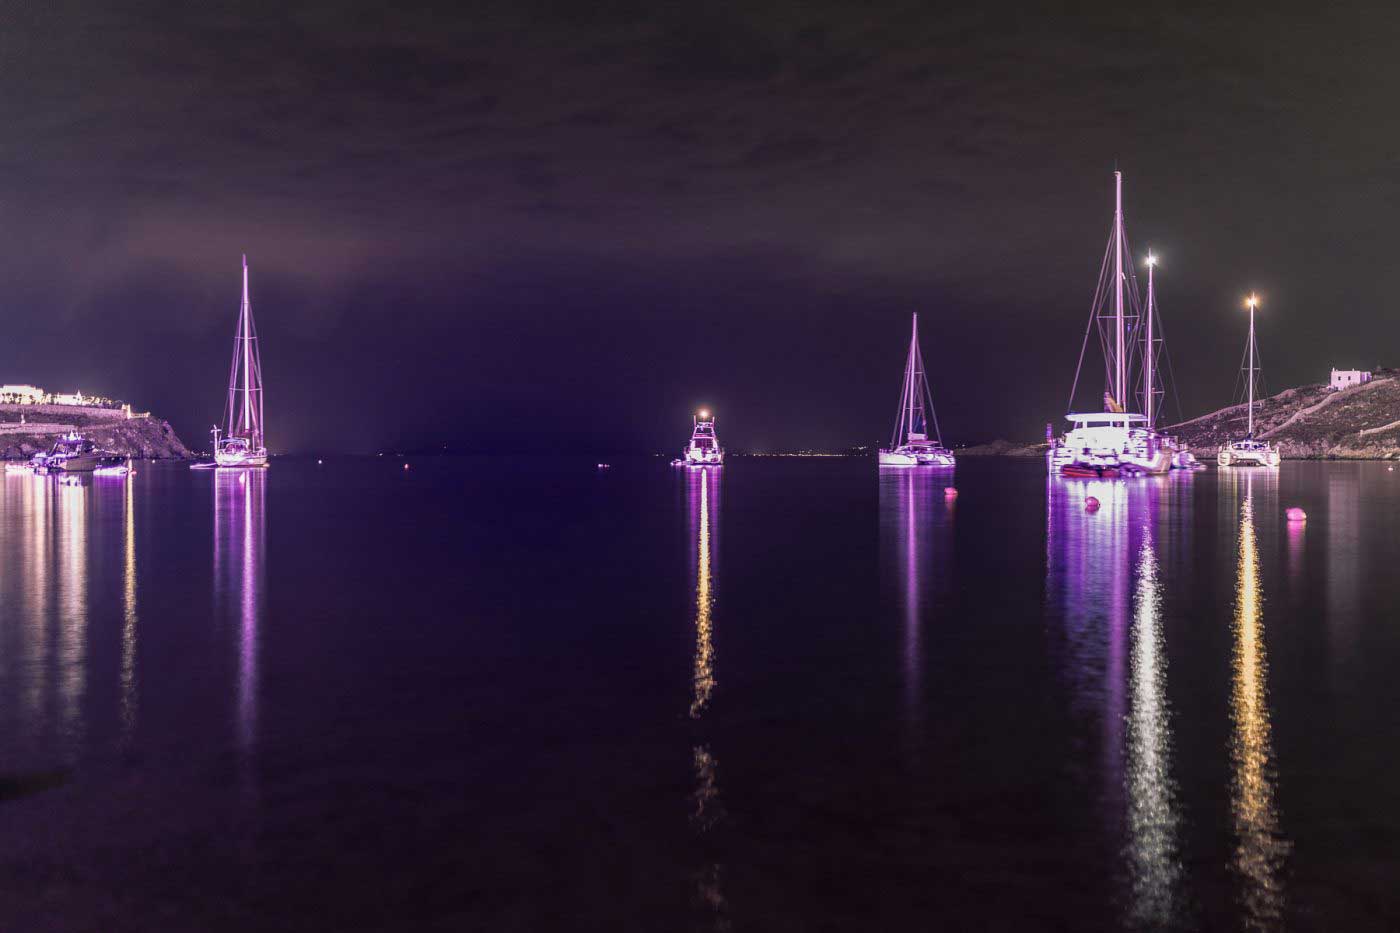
{"x":144,"y":437}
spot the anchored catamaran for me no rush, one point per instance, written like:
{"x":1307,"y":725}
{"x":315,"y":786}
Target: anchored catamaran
{"x":242,"y":443}
{"x":1117,"y":441}
{"x":1247,"y":451}
{"x":911,"y":443}
{"x":703,"y":449}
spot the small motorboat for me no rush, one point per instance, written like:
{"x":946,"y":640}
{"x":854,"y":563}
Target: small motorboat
{"x":74,"y":453}
{"x":703,"y":449}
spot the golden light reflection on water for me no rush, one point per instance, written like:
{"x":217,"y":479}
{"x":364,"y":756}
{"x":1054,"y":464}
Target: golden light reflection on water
{"x":129,"y":620}
{"x":35,"y":505}
{"x":1260,"y":849}
{"x":706,"y":806}
{"x":72,"y":501}
{"x":1152,"y":810}
{"x":703,"y":679}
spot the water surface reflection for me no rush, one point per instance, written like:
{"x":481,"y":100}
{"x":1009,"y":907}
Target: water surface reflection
{"x":916,"y":525}
{"x":1104,"y":582}
{"x":1152,"y":806}
{"x":239,"y":532}
{"x":129,"y":618}
{"x":1260,"y":847}
{"x":706,"y":806}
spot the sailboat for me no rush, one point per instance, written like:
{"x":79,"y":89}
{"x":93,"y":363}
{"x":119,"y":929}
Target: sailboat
{"x":1116,"y":441}
{"x":1247,"y":451}
{"x":911,"y":443}
{"x":242,"y":442}
{"x":703,"y":449}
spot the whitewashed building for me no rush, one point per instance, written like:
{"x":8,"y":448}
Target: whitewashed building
{"x":22,"y":395}
{"x":1346,"y":378}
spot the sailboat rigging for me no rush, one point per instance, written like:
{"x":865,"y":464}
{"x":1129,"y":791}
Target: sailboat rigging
{"x":1117,"y":441}
{"x":1247,"y":451}
{"x":242,"y":443}
{"x":916,"y":440}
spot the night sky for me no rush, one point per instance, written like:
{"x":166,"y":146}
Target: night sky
{"x":517,"y":227}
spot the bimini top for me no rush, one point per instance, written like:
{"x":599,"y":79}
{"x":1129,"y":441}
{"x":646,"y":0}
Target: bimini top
{"x":1105,"y":419}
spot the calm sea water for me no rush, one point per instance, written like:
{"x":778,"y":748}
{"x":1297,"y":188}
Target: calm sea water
{"x":788,"y":694}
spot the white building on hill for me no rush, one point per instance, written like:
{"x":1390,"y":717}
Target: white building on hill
{"x":22,"y":395}
{"x":1346,"y":378}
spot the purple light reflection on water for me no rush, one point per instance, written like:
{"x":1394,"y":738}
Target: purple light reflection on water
{"x":1103,"y":595}
{"x":239,"y":533}
{"x":72,"y":504}
{"x":917,"y":523}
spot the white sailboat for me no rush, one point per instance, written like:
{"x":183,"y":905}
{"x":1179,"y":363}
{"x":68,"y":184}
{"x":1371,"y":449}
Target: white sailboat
{"x":1116,"y":441}
{"x":916,"y":440}
{"x":1247,"y":451}
{"x":242,"y":442}
{"x":704,"y":448}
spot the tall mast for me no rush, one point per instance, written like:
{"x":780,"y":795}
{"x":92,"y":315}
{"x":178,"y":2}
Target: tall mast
{"x":1149,"y":391}
{"x":1119,"y":373}
{"x":915,"y":397}
{"x":1253,"y":300}
{"x":245,"y":328}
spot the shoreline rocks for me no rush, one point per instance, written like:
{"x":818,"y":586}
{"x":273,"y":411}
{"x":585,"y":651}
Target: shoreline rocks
{"x":144,"y":438}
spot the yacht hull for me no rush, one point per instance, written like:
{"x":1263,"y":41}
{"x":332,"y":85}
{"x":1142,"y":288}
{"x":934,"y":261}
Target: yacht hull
{"x":251,"y":462}
{"x":918,"y":457}
{"x":84,"y":463}
{"x":1248,"y":458}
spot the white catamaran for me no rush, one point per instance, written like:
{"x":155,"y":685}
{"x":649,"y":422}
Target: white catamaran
{"x":703,"y":449}
{"x":1247,"y":451}
{"x":242,"y":443}
{"x":1117,"y":441}
{"x":911,"y":444}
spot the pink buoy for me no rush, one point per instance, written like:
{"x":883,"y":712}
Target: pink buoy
{"x":405,"y":466}
{"x":1296,"y":514}
{"x":1091,"y":504}
{"x":949,"y":492}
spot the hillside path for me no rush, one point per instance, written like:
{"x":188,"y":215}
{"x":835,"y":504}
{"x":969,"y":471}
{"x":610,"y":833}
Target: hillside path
{"x":1331,"y":396}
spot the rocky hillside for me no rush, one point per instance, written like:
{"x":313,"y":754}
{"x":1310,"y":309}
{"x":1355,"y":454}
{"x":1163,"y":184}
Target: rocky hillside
{"x":144,"y":437}
{"x":1309,"y":422}
{"x":1002,"y":448}
{"x":1361,"y":423}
